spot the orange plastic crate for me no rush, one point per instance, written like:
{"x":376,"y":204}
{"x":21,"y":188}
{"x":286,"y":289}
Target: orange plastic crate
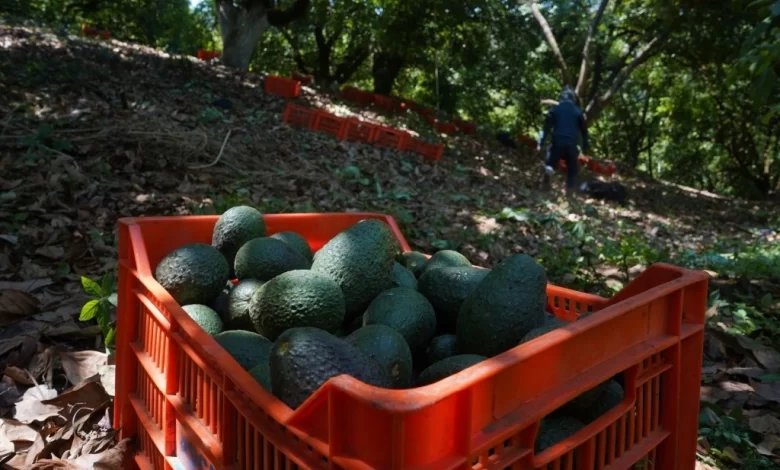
{"x":190,"y":405}
{"x":445,"y":128}
{"x":331,"y":124}
{"x":282,"y":86}
{"x":299,"y":116}
{"x":208,"y":55}
{"x":359,"y":131}
{"x":385,"y":102}
{"x":430,"y":152}
{"x":357,"y":95}
{"x":389,"y":137}
{"x":467,"y":127}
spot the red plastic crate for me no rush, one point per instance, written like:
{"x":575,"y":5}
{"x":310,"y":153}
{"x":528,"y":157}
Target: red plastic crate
{"x":208,"y":55}
{"x":389,"y":137}
{"x":299,"y":116}
{"x":190,"y":405}
{"x":430,"y":152}
{"x":330,"y":124}
{"x":529,"y":141}
{"x":302,"y":77}
{"x":385,"y":102}
{"x":445,"y":128}
{"x":359,"y":131}
{"x":282,"y":86}
{"x":91,"y":32}
{"x":357,"y":95}
{"x":467,"y":127}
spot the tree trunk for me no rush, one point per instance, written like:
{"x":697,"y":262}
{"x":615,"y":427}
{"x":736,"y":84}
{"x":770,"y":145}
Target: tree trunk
{"x":385,"y":71}
{"x":242,"y":27}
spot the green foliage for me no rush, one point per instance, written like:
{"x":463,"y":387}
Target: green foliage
{"x":99,"y":308}
{"x":728,"y":436}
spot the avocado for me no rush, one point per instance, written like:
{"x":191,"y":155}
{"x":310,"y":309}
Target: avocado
{"x":234,"y":228}
{"x":504,"y":307}
{"x":539,"y":331}
{"x":295,"y":299}
{"x":447,"y":367}
{"x":296,"y":242}
{"x":247,"y":348}
{"x":554,"y":429}
{"x":265,"y":258}
{"x":402,"y":277}
{"x":237,"y":317}
{"x":441,"y":347}
{"x":447,"y":288}
{"x":445,"y":258}
{"x":611,"y":396}
{"x":220,"y":305}
{"x":360,"y":261}
{"x":590,"y":405}
{"x":413,"y":261}
{"x":206,"y":317}
{"x":193,"y":274}
{"x":550,"y":318}
{"x":303,"y":359}
{"x":406,"y":311}
{"x":262,"y":373}
{"x":387,"y":347}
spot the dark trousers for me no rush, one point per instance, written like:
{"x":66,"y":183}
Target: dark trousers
{"x":569,"y":154}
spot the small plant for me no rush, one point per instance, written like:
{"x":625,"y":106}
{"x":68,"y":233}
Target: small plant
{"x":99,"y":307}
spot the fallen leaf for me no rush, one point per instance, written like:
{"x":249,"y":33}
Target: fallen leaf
{"x":42,"y":364}
{"x":765,"y":355}
{"x":117,"y":458}
{"x":32,"y":409}
{"x":766,"y":424}
{"x":15,"y":304}
{"x":51,"y":252}
{"x":10,"y":239}
{"x":769,"y":391}
{"x":709,"y":394}
{"x":49,"y":464}
{"x":16,"y":431}
{"x":19,"y":375}
{"x":79,"y":365}
{"x":768,"y":445}
{"x":108,"y":378}
{"x":731,"y":454}
{"x":27,"y":286}
{"x":9,"y":392}
{"x":89,"y":392}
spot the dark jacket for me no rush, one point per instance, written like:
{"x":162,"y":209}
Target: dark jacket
{"x":567,"y":122}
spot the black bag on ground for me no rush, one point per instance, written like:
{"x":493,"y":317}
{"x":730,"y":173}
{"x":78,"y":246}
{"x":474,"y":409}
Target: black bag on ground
{"x":608,"y":191}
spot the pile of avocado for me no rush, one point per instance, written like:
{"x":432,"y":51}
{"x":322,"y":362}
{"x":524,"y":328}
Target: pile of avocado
{"x":358,"y":306}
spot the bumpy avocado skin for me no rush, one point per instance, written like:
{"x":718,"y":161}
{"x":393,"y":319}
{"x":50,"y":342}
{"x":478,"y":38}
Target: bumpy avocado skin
{"x":193,"y":274}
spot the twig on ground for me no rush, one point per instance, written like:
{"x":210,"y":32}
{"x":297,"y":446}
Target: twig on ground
{"x":216,"y":160}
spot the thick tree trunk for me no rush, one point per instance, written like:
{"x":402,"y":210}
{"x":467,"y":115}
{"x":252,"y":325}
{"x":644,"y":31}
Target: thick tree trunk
{"x":550,"y":37}
{"x":385,"y":71}
{"x":242,"y":27}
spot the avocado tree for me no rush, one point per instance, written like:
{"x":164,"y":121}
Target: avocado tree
{"x":621,"y":37}
{"x":243,"y":22}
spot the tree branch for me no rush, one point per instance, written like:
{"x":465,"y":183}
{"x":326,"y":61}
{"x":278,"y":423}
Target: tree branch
{"x":595,"y":107}
{"x":580,"y":89}
{"x":284,"y":17}
{"x":297,"y":56}
{"x":550,"y":37}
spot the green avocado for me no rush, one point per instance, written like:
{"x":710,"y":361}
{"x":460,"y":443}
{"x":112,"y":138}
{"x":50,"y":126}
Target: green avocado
{"x":296,"y":242}
{"x":247,"y":348}
{"x":505,"y":306}
{"x":388,"y":348}
{"x":302,"y":359}
{"x":237,"y":317}
{"x":193,"y":274}
{"x":402,"y":277}
{"x":445,"y":258}
{"x":265,"y":258}
{"x":206,"y":317}
{"x":234,"y":228}
{"x":447,"y":367}
{"x":360,"y":260}
{"x":447,"y":288}
{"x":296,"y":299}
{"x":406,"y":311}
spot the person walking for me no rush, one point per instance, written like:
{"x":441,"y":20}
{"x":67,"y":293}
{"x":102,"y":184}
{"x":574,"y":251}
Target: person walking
{"x":567,"y":123}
